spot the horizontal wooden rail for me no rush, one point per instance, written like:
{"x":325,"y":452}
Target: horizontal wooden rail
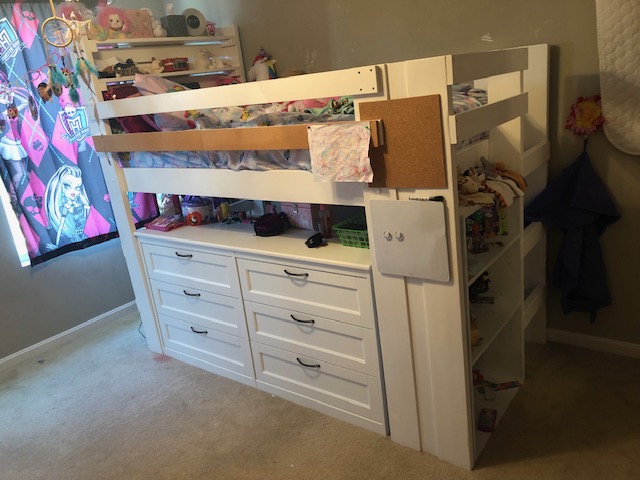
{"x":339,"y":83}
{"x":472,"y":122}
{"x":467,"y":67}
{"x":285,"y":137}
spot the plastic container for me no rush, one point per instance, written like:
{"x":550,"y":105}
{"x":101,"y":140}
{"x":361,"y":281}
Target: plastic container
{"x":353,"y":232}
{"x":197,"y":210}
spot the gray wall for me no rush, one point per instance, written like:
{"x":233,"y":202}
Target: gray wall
{"x":333,"y":34}
{"x":40,"y":302}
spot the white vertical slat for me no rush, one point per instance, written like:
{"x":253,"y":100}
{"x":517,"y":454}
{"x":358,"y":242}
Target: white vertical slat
{"x":394,"y":327}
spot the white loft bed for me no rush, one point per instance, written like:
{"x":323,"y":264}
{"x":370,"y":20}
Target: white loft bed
{"x":429,"y":406}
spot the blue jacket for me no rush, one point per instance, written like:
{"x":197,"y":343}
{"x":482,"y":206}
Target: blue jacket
{"x":579,"y":204}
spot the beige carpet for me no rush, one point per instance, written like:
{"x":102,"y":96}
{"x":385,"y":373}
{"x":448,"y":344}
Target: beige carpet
{"x":104,"y":407}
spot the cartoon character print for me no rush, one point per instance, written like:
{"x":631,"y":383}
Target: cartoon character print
{"x":12,"y":151}
{"x":67,"y":205}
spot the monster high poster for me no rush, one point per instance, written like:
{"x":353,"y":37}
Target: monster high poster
{"x":49,"y":165}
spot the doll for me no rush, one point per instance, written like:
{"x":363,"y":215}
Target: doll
{"x":112,"y":22}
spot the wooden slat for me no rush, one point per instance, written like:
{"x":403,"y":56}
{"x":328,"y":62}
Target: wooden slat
{"x":467,"y":124}
{"x":149,"y":141}
{"x":287,"y":137}
{"x":535,"y":157}
{"x":275,"y":185}
{"x":473,"y":66}
{"x":353,"y":81}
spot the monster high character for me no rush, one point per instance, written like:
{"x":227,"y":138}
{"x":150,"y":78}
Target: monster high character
{"x":67,"y":205}
{"x":12,"y":151}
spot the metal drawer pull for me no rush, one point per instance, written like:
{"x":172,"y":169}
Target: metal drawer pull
{"x":202,"y":332}
{"x":306,"y":364}
{"x":191,"y":294}
{"x":303,"y":321}
{"x":296,"y":274}
{"x":182,"y":255}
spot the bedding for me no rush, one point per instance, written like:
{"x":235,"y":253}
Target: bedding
{"x":337,"y":109}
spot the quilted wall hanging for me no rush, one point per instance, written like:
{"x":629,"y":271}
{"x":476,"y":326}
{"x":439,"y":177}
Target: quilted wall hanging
{"x":618,"y":24}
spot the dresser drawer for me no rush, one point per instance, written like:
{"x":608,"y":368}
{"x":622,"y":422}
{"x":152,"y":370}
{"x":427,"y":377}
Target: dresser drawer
{"x":334,"y":342}
{"x":334,"y":390}
{"x":218,"y":312}
{"x":316,"y":291}
{"x":197,"y":344}
{"x":189,"y":267}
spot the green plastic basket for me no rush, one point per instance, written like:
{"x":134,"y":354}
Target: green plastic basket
{"x":352,"y":232}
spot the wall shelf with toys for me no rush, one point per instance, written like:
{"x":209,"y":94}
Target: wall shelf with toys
{"x":207,"y":60}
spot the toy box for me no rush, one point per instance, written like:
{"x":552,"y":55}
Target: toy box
{"x":175,"y":25}
{"x":175,"y":64}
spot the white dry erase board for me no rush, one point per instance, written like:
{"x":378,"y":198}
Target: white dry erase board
{"x":410,"y":238}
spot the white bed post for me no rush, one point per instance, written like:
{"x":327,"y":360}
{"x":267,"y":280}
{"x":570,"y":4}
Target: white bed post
{"x":394,"y":328}
{"x":117,"y":188}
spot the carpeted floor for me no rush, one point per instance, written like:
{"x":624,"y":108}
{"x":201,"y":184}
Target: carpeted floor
{"x":104,"y":407}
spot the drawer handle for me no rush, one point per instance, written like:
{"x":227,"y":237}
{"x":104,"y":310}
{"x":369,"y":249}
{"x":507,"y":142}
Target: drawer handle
{"x":191,"y":294}
{"x":201,"y":332}
{"x":184,"y":255}
{"x":303,"y":321}
{"x":306,"y":364}
{"x":296,"y":274}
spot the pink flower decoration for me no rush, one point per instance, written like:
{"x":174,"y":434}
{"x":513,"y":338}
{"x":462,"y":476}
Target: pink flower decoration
{"x":585,"y":116}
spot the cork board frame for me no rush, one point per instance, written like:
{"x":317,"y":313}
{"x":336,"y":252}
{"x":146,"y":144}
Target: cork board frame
{"x":413,"y":152}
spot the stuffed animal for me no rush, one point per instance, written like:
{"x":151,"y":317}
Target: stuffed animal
{"x":203,"y":60}
{"x":154,"y":67}
{"x":156,"y":27}
{"x":111,"y":22}
{"x":263,"y":68}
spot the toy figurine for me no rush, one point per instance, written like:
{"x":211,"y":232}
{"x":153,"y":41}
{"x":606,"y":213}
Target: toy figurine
{"x":263,"y":67}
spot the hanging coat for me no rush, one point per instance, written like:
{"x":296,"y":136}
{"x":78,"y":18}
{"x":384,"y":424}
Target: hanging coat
{"x":579,"y":204}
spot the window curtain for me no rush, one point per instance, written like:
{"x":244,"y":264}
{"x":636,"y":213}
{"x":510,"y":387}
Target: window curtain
{"x":49,"y":165}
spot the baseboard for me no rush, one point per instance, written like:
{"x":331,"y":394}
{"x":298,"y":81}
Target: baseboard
{"x":66,"y":336}
{"x":617,"y":347}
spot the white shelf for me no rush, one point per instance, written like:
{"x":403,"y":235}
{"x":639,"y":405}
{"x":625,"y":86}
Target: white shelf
{"x":477,"y":263}
{"x":227,"y":70}
{"x":501,"y":402}
{"x":154,"y":41}
{"x":241,"y":238}
{"x":533,"y":234}
{"x":533,"y":302}
{"x":491,"y":320}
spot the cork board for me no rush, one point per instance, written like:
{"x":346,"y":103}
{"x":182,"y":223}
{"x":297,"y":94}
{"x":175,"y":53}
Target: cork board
{"x":413,"y":152}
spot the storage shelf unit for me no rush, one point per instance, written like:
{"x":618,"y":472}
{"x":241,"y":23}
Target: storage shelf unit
{"x":224,"y":45}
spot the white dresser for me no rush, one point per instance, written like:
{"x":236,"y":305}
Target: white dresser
{"x":269,"y":312}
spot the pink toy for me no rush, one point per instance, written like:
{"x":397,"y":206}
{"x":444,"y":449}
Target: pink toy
{"x":113,"y":22}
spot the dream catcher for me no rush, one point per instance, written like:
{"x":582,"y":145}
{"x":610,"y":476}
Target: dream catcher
{"x":57,"y":31}
{"x":60,"y":32}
